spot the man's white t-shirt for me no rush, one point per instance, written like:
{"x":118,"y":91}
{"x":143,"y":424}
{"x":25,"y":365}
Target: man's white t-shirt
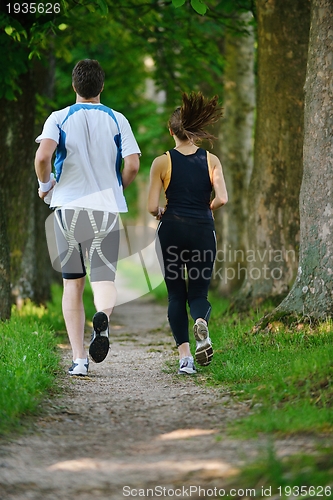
{"x":92,"y":140}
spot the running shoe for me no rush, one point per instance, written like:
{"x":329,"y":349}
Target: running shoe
{"x":79,"y":367}
{"x":186,"y":366}
{"x":99,"y":344}
{"x":204,"y":350}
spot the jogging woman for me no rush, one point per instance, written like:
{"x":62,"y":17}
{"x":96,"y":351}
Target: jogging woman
{"x":189,"y":175}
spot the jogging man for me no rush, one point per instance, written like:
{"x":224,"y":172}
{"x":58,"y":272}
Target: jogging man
{"x":91,"y":142}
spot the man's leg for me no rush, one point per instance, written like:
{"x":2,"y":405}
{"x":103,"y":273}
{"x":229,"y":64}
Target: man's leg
{"x":73,"y":311}
{"x":103,"y":256}
{"x":105,"y":296}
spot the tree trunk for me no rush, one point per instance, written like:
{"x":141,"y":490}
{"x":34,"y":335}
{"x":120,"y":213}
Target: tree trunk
{"x":237,"y":157}
{"x":283,"y":31}
{"x":5,"y":302}
{"x":17,"y":176}
{"x":312,"y":292}
{"x":44,"y":274}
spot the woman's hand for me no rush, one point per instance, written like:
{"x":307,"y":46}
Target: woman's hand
{"x":160,"y":212}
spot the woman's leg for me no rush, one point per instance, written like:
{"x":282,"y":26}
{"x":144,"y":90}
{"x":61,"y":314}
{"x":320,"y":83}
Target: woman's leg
{"x":200,"y":268}
{"x":169,"y":234}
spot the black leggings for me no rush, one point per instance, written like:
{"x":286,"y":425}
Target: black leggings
{"x":187,"y":243}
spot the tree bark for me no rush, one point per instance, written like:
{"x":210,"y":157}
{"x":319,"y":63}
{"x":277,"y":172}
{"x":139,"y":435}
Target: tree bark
{"x":5,"y":302}
{"x":44,"y":275}
{"x":312,"y":293}
{"x":283,"y":31}
{"x":236,"y":143}
{"x":16,"y":160}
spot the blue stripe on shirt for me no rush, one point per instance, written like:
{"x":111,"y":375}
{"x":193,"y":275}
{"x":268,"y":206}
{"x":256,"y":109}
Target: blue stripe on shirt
{"x":60,"y":154}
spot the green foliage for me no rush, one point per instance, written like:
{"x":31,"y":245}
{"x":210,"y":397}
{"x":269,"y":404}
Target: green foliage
{"x":139,"y":51}
{"x":184,"y":58}
{"x":125,"y":84}
{"x":199,"y":6}
{"x":13,"y":63}
{"x":19,"y":41}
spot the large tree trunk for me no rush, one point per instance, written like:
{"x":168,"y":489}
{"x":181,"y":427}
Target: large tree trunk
{"x":283,"y":31}
{"x":44,"y":274}
{"x":18,"y":180}
{"x":312,"y":292}
{"x":237,"y":157}
{"x":5,"y":302}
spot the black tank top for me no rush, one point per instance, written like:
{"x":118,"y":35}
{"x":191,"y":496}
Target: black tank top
{"x":189,"y":190}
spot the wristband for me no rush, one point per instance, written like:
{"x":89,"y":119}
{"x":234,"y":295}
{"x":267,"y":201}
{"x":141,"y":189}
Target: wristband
{"x":46,"y":186}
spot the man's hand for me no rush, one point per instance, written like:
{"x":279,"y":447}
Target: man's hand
{"x":43,"y":194}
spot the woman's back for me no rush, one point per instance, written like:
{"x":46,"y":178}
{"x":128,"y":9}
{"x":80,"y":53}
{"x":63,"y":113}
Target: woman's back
{"x":188,"y":185}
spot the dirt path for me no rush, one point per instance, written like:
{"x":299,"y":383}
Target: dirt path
{"x":130,"y":426}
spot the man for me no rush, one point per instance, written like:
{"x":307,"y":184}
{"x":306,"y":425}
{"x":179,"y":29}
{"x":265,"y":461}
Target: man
{"x":90,"y":141}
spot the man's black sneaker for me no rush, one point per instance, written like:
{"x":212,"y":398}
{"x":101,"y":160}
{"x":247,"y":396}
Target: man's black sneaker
{"x":99,"y":344}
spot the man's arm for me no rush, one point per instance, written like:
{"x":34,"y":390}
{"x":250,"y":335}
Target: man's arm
{"x":43,"y":166}
{"x":131,"y":168}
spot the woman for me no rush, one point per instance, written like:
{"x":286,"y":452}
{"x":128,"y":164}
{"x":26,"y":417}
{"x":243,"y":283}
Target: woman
{"x":189,"y":175}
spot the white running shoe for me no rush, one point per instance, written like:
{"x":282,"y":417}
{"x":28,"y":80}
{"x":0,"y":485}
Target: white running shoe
{"x":186,"y":366}
{"x":204,"y":350}
{"x":79,"y":367}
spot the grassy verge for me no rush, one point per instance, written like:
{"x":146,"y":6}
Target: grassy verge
{"x":29,"y":360}
{"x":297,"y":476}
{"x":286,"y":375}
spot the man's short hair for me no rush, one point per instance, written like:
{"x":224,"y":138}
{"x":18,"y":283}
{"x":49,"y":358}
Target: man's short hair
{"x":88,"y":78}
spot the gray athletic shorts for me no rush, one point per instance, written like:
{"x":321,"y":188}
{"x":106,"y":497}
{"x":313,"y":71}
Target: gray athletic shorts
{"x":85,"y":235}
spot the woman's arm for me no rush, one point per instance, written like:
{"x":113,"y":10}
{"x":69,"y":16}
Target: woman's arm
{"x":155,"y":186}
{"x":221,"y":195}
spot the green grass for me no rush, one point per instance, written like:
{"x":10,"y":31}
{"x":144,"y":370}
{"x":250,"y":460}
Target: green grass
{"x":285,"y":375}
{"x":138,"y":278}
{"x":29,"y":361}
{"x":160,"y":293}
{"x":296,"y":476}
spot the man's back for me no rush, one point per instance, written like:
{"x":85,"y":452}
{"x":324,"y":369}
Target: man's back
{"x":91,"y":139}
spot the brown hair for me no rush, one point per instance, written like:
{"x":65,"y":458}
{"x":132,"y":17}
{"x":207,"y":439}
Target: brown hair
{"x":88,"y":78}
{"x":196,"y":112}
